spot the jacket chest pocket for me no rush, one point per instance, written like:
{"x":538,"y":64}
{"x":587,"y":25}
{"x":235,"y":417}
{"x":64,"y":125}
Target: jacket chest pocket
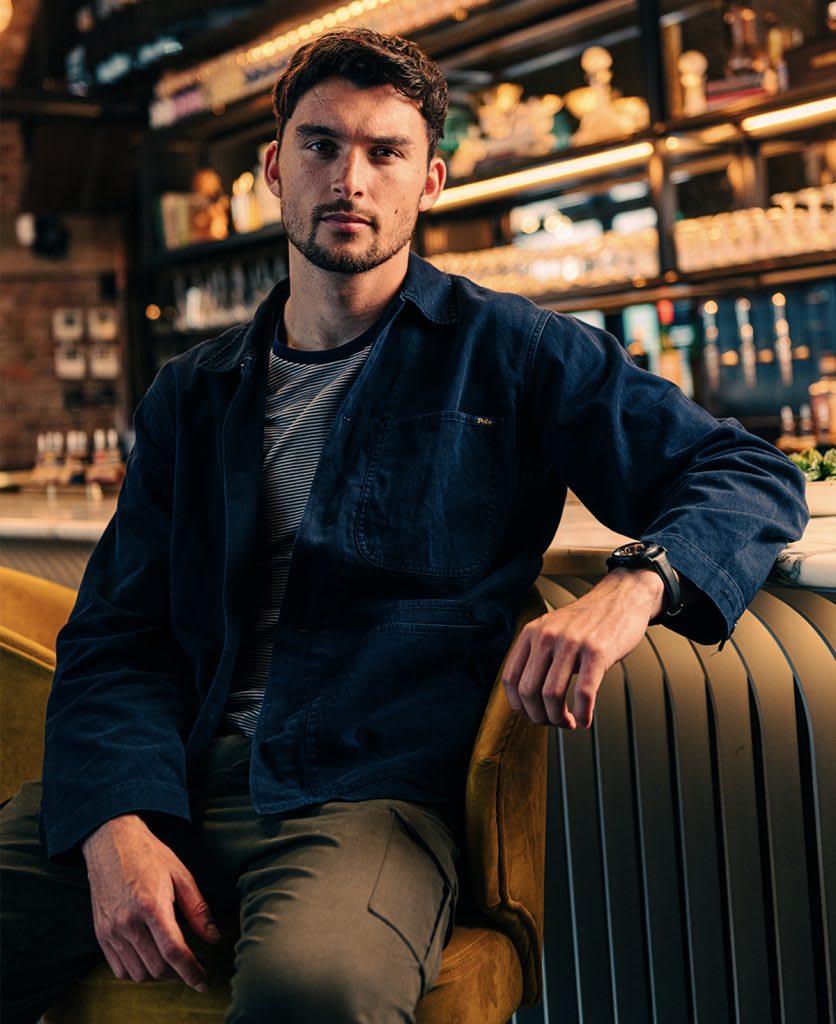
{"x":429,"y":498}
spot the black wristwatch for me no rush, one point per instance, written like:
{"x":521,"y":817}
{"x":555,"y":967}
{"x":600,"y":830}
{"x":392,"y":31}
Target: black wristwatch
{"x":639,"y":555}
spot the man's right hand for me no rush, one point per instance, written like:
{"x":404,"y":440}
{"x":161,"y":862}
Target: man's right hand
{"x":135,"y":883}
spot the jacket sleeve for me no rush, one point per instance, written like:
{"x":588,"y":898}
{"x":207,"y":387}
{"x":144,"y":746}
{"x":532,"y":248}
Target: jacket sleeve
{"x":650,"y":463}
{"x":122,"y":697}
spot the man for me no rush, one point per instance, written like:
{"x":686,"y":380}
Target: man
{"x":270,"y":685}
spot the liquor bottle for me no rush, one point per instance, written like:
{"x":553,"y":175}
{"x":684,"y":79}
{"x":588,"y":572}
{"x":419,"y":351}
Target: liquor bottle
{"x":788,"y":440}
{"x":72,"y":472}
{"x":748,"y":355}
{"x":710,"y":352}
{"x":670,"y":361}
{"x":806,"y":434}
{"x":733,"y":391}
{"x":746,"y":60}
{"x":783,"y":344}
{"x":638,"y":352}
{"x":106,"y":467}
{"x":796,"y":439}
{"x":823,"y":401}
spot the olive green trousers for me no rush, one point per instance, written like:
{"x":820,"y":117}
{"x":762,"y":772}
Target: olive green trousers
{"x":343,"y":908}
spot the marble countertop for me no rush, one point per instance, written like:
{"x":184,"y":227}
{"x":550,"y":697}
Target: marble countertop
{"x":77,"y":514}
{"x":581,"y":544}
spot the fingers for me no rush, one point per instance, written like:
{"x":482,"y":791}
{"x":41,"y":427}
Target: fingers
{"x":194,"y":907}
{"x":139,"y":962}
{"x":174,"y":951}
{"x":539,"y":670}
{"x":531,"y":686}
{"x":134,"y":954}
{"x":512,"y":672}
{"x":556,"y":691}
{"x":590,"y":676}
{"x":135,"y":883}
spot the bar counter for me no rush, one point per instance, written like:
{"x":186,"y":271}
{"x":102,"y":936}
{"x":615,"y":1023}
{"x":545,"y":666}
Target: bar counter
{"x":582,"y":545}
{"x":68,"y":515}
{"x":31,"y":521}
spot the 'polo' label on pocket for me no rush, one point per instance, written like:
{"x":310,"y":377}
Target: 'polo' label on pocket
{"x":484,"y":421}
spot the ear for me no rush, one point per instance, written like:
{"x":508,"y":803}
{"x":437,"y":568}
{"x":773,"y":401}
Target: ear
{"x":271,"y":169}
{"x":436,"y":176}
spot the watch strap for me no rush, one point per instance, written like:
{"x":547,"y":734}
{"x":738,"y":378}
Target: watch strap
{"x":641,"y":555}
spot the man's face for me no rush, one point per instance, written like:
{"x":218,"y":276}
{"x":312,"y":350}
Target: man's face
{"x":352,"y":175}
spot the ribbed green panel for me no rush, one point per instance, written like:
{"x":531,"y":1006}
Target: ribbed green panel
{"x":816,"y":609}
{"x":814,"y":668}
{"x":779,"y":779}
{"x":586,"y":865}
{"x":620,"y":843}
{"x":749,"y":968}
{"x":697,"y":824}
{"x":651,"y":764}
{"x":561,"y":969}
{"x":711,"y":776}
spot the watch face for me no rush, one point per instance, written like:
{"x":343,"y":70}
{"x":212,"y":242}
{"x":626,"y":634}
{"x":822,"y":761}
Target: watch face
{"x":629,"y":550}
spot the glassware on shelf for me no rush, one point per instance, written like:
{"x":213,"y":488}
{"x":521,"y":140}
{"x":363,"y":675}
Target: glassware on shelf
{"x":611,"y":258}
{"x":224,"y":295}
{"x":800,"y":223}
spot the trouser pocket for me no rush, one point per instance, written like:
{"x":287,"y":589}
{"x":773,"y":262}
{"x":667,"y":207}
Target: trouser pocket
{"x":415,"y":891}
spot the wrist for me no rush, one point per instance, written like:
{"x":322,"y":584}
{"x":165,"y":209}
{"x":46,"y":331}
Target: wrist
{"x":124,"y":824}
{"x":643,"y":555}
{"x":645,"y":586}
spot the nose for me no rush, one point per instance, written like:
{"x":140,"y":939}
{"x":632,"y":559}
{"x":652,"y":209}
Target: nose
{"x":348,"y":174}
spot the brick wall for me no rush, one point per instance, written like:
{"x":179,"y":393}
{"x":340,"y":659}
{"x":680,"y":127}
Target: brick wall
{"x":31,"y":287}
{"x":15,"y":40}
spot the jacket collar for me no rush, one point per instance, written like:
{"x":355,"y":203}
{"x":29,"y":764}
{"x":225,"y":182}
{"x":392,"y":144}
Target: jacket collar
{"x":429,"y":290}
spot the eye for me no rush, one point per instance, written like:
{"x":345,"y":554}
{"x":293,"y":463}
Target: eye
{"x":384,"y":153}
{"x":322,"y":146}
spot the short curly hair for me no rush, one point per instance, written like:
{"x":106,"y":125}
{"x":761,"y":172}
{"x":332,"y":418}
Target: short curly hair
{"x":366,"y":59}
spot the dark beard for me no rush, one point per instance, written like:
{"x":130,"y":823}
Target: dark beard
{"x":343,"y":262}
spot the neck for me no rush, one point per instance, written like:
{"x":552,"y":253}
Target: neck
{"x":326,"y":309}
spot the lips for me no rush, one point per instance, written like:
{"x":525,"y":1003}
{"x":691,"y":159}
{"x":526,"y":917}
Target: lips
{"x":345,"y":218}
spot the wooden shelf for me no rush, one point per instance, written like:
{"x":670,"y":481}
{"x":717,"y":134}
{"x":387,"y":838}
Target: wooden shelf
{"x":205,"y":251}
{"x":736,"y":111}
{"x":705,"y":284}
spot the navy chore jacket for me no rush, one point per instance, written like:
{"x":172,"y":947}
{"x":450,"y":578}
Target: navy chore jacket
{"x":438,"y":489}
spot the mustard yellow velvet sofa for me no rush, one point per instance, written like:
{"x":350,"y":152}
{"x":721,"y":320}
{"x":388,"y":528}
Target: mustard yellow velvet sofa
{"x":492,"y":964}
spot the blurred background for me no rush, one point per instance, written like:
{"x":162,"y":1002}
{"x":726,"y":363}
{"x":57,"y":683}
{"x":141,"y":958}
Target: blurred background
{"x":663,"y":170}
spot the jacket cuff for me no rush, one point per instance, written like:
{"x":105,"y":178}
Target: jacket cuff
{"x":62,"y":837}
{"x":711,"y":619}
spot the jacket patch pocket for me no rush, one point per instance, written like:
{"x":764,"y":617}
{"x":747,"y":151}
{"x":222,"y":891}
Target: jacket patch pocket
{"x":414,"y":897}
{"x":429,"y":497}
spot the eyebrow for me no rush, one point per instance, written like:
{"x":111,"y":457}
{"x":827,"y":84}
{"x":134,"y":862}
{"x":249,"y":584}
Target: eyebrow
{"x":307,"y":131}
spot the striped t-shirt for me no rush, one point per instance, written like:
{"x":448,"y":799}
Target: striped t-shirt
{"x":304,"y":392}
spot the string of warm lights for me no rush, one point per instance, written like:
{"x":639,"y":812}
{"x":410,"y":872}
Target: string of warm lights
{"x":547,"y":174}
{"x":214,"y":83}
{"x":799,"y":115}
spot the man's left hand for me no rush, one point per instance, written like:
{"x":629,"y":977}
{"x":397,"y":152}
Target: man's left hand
{"x":587,"y":637}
